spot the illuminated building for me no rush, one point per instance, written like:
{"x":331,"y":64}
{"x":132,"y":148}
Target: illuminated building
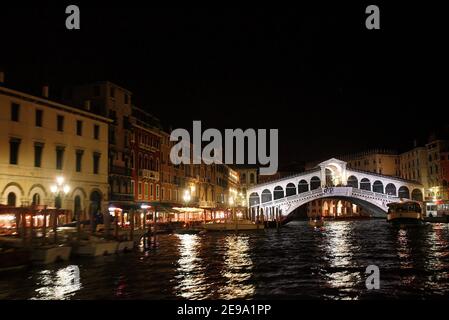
{"x":110,"y":100}
{"x":52,"y":154}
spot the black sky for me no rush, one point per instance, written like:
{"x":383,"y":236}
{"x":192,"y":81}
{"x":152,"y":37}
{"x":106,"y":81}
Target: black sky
{"x":316,"y":73}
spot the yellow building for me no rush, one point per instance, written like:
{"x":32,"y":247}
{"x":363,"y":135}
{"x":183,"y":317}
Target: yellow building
{"x":43,"y":141}
{"x":379,"y":161}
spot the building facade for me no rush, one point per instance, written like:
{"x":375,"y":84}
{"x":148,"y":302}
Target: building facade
{"x":110,"y":100}
{"x":46,"y":144}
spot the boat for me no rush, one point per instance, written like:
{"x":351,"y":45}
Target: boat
{"x":316,"y":223}
{"x":14,"y":258}
{"x":405,"y":213}
{"x":232,"y":225}
{"x":188,"y":231}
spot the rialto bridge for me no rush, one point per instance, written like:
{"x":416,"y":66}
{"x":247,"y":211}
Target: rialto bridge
{"x":330,"y":179}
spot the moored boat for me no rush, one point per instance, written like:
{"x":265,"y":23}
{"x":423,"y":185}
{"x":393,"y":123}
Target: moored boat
{"x":405,"y":213}
{"x":232,"y":225}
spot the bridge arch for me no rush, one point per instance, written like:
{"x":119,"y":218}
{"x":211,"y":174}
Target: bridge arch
{"x":290,"y":189}
{"x":303,"y":186}
{"x":266,"y":196}
{"x":315,"y":183}
{"x":390,"y":189}
{"x":404,"y":192}
{"x":353,"y":182}
{"x":417,"y":195}
{"x":254,"y":199}
{"x":278,"y":193}
{"x":378,"y":186}
{"x":365,"y":184}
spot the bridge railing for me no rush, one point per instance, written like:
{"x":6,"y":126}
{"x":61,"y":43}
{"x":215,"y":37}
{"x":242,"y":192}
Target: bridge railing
{"x":330,"y":192}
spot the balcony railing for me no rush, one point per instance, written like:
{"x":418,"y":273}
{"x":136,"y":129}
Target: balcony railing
{"x":121,"y":197}
{"x":121,"y":170}
{"x":149,"y":174}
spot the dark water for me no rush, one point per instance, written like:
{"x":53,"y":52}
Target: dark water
{"x":296,"y":262}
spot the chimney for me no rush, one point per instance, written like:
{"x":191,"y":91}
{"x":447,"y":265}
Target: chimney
{"x":87,"y":105}
{"x":45,"y":90}
{"x":2,"y":77}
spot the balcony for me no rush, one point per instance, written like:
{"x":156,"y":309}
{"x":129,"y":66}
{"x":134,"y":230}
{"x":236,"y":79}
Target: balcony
{"x":120,"y":170}
{"x":121,"y":197}
{"x":149,"y":174}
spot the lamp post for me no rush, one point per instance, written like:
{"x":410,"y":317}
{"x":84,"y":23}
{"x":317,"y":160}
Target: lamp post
{"x":59,"y":189}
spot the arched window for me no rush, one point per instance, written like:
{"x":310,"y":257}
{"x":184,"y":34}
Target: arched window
{"x":365,"y":184}
{"x":266,"y":196}
{"x":390,"y":189}
{"x":254,"y":199}
{"x":353,"y":182}
{"x":278,"y":193}
{"x":243,"y":178}
{"x":315,"y":183}
{"x":378,"y":186}
{"x":303,"y":186}
{"x":290,"y":190}
{"x":417,"y":195}
{"x":404,"y":192}
{"x":77,"y":207}
{"x":12,"y":199}
{"x":36,"y":199}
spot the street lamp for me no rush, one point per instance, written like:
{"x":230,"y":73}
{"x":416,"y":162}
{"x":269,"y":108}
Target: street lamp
{"x":59,"y":189}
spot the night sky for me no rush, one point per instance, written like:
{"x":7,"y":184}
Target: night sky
{"x":316,"y":73}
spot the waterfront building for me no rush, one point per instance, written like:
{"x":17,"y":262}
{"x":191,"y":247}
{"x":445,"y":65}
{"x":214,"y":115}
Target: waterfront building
{"x":52,"y":155}
{"x":110,"y":100}
{"x":385,"y":162}
{"x":248,"y":177}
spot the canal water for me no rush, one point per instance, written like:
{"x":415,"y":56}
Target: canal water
{"x":293,"y":263}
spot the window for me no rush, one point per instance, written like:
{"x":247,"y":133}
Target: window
{"x":96,"y":162}
{"x":79,"y":160}
{"x":60,"y":123}
{"x":140,"y":189}
{"x":133,"y":186}
{"x":151,"y":191}
{"x":79,"y":128}
{"x":38,"y":119}
{"x":38,"y":154}
{"x":15,"y":109}
{"x":96,"y":131}
{"x":14,"y":144}
{"x":112,"y":93}
{"x":251,"y":178}
{"x":36,"y":199}
{"x":163,"y":194}
{"x":146,"y":190}
{"x":157,"y":192}
{"x":59,"y":157}
{"x":12,"y":199}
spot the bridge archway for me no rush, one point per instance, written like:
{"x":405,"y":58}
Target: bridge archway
{"x":404,"y":192}
{"x":365,"y":184}
{"x":390,"y":189}
{"x":417,"y":195}
{"x":353,"y":182}
{"x":266,"y":196}
{"x":315,"y":183}
{"x":378,"y":186}
{"x":278,"y":193}
{"x":303,"y":186}
{"x":254,"y":199}
{"x":290,"y":189}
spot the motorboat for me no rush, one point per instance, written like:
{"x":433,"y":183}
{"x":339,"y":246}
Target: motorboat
{"x":405,"y":213}
{"x":232,"y":225}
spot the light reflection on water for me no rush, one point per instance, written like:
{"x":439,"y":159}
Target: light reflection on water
{"x":294,"y":262}
{"x":58,"y":285}
{"x":237,"y":268}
